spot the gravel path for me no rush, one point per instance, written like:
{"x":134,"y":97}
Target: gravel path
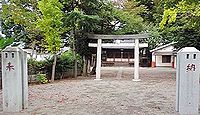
{"x":154,"y":95}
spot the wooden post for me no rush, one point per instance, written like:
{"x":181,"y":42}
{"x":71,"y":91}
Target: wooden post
{"x":153,"y":62}
{"x":128,"y":57}
{"x":114,"y":56}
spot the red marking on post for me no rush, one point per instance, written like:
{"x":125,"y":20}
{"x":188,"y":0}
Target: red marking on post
{"x":10,"y":67}
{"x":191,"y":67}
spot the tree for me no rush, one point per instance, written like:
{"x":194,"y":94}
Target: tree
{"x":130,"y":20}
{"x":187,"y":10}
{"x":182,"y":20}
{"x":19,"y":19}
{"x":83,"y":16}
{"x":50,"y":23}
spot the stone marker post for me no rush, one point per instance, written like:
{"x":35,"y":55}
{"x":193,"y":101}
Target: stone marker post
{"x":187,"y":81}
{"x":14,"y":79}
{"x":24,"y":80}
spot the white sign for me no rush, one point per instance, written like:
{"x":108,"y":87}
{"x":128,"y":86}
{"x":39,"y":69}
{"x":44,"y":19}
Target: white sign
{"x":187,"y":81}
{"x":14,"y":79}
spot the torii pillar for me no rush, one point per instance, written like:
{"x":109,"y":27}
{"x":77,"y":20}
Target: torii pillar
{"x":98,"y":62}
{"x":136,"y":61}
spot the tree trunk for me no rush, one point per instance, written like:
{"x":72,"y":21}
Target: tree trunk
{"x":33,"y":46}
{"x":74,"y":51}
{"x":88,"y":67}
{"x":54,"y":68}
{"x":75,"y":65}
{"x":84,"y":66}
{"x":75,"y":58}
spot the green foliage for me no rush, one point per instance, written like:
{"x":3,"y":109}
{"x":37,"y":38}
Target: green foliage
{"x":51,"y":23}
{"x":155,"y":38}
{"x":35,"y":67}
{"x":130,"y":19}
{"x":187,"y":11}
{"x":65,"y":62}
{"x":79,"y":20}
{"x":150,"y":10}
{"x":172,"y":13}
{"x":42,"y":78}
{"x":83,"y":15}
{"x":86,"y":16}
{"x":21,"y":13}
{"x":19,"y":19}
{"x":67,"y":56}
{"x":181,"y":22}
{"x":5,"y":42}
{"x":32,"y":66}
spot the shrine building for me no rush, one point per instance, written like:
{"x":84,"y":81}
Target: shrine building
{"x":164,"y":56}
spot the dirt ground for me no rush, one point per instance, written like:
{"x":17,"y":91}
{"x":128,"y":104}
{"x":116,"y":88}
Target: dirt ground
{"x":116,"y":94}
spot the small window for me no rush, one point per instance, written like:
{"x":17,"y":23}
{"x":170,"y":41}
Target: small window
{"x":6,"y":55}
{"x":194,"y":56}
{"x":187,"y":56}
{"x":166,"y":58}
{"x":13,"y":55}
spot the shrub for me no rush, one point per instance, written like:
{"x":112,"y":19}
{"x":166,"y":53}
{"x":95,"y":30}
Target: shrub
{"x":42,"y":78}
{"x":35,"y":67}
{"x":32,"y":66}
{"x":65,"y":63}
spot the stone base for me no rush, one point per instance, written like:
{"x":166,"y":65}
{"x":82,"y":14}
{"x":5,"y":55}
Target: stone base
{"x":97,"y":79}
{"x":136,"y":79}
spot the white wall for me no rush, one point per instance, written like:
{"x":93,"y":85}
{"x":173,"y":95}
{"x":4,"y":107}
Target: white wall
{"x":36,"y":56}
{"x":159,"y":62}
{"x":43,"y":56}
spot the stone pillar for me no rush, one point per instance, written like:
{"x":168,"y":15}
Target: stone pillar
{"x":153,"y":60}
{"x":136,"y":61}
{"x":187,"y":81}
{"x":98,"y":65}
{"x":24,"y":80}
{"x":14,"y":79}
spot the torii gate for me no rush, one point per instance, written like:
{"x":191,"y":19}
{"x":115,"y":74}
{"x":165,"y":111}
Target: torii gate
{"x":136,"y":37}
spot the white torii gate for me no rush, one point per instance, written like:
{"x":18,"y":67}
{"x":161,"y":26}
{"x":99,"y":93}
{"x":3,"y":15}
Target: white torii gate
{"x":99,"y":47}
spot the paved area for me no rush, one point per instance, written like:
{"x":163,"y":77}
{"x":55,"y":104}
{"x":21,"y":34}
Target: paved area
{"x":116,"y":94}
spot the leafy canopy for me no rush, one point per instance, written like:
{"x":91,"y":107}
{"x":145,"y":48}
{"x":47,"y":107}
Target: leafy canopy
{"x":188,"y":11}
{"x":50,"y":23}
{"x":181,"y":22}
{"x":130,"y":19}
